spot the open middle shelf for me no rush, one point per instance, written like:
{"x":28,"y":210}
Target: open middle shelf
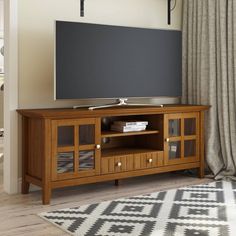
{"x":109,"y":133}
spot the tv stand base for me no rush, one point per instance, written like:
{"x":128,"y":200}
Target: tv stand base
{"x":119,"y":102}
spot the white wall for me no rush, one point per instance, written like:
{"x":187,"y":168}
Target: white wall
{"x":11,"y":140}
{"x":36,"y":34}
{"x":1,"y":17}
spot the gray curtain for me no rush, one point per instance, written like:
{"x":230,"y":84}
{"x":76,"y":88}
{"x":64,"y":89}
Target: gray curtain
{"x":209,"y":75}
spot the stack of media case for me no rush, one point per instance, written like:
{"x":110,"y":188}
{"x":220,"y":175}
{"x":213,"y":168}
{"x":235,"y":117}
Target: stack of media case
{"x":129,"y":126}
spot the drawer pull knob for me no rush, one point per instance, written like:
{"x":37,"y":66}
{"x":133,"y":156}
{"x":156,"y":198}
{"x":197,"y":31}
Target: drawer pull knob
{"x":150,"y":160}
{"x":119,"y":164}
{"x":98,"y":146}
{"x":167,"y":140}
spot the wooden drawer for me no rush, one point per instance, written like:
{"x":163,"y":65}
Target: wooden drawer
{"x":131,"y":162}
{"x":116,"y":164}
{"x":148,"y":160}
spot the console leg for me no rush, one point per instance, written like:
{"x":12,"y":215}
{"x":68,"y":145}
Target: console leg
{"x":202,"y":153}
{"x":201,"y":172}
{"x":117,"y":182}
{"x":25,"y":187}
{"x":46,"y":196}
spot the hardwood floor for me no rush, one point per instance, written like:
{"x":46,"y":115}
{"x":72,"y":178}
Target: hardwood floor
{"x":18,"y":213}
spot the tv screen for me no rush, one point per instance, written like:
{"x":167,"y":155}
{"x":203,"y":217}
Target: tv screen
{"x":103,"y":61}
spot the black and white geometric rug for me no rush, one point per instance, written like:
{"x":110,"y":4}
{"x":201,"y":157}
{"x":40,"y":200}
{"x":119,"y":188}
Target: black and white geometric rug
{"x":202,"y":210}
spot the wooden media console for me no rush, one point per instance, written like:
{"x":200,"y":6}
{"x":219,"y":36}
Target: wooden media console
{"x":67,"y":147}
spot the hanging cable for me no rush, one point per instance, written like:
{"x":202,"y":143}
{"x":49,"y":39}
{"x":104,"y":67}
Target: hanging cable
{"x":170,"y":9}
{"x":82,"y":8}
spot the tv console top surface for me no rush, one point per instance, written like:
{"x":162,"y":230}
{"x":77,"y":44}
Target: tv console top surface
{"x":53,"y":113}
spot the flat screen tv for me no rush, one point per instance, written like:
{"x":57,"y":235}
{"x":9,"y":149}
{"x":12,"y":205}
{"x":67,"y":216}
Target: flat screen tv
{"x":104,"y":61}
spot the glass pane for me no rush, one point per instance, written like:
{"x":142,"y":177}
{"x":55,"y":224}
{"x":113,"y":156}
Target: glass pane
{"x":174,"y":150}
{"x":86,"y":134}
{"x":190,"y":126}
{"x":189,"y":148}
{"x":65,"y":162}
{"x":86,"y":160}
{"x":65,"y":136}
{"x":174,"y":128}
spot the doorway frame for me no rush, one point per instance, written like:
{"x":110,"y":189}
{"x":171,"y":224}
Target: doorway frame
{"x":11,"y":150}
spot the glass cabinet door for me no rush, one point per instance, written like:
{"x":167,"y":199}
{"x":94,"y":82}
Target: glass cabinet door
{"x":190,"y":148}
{"x":87,"y":148}
{"x":86,"y":160}
{"x":76,"y":148}
{"x":65,"y":162}
{"x":65,"y":136}
{"x":174,"y":150}
{"x":190,"y":126}
{"x":174,"y":127}
{"x":86,"y":134}
{"x":181,"y":138}
{"x":190,"y":137}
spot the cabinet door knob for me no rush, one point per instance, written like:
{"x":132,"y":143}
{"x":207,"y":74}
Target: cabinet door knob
{"x":119,"y":164}
{"x":150,"y":160}
{"x":167,"y":140}
{"x":98,"y":146}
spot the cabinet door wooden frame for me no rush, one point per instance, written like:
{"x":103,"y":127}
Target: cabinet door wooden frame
{"x":181,"y":138}
{"x":76,"y":147}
